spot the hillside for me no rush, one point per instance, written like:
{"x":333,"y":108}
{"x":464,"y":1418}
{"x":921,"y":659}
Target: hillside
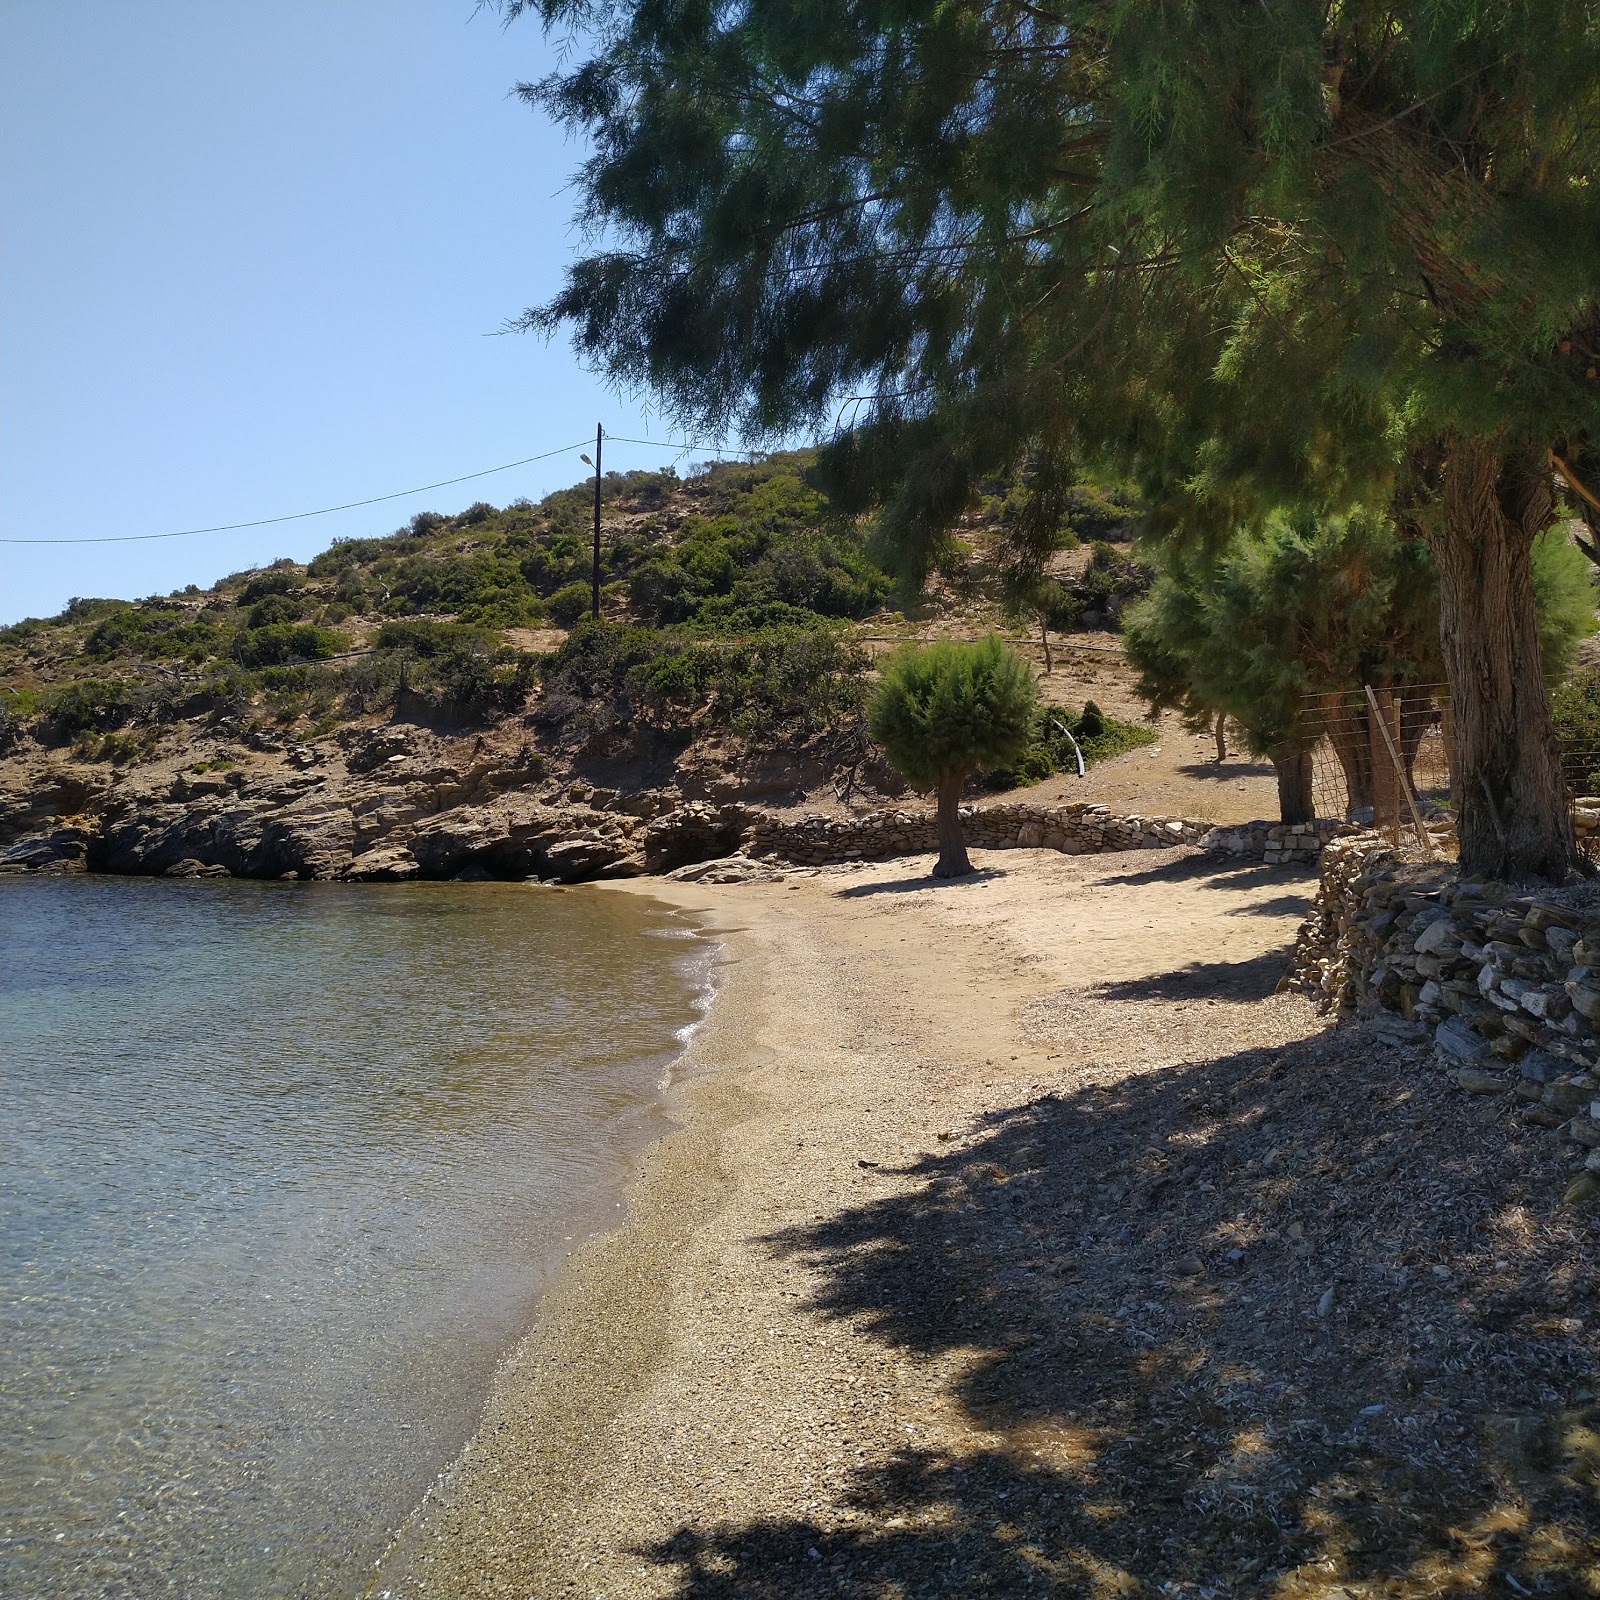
{"x":741,"y":618}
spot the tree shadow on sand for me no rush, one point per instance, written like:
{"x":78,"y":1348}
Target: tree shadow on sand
{"x":926,"y":880}
{"x":1254,"y":979}
{"x":1214,"y":872}
{"x":1291,"y":1322}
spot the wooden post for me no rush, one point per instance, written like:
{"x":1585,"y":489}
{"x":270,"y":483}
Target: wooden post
{"x":1386,"y":797}
{"x":1395,"y":766}
{"x":594,"y":582}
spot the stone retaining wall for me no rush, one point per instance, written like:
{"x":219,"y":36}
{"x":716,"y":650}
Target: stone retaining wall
{"x":1508,"y":983}
{"x":1083,"y":828}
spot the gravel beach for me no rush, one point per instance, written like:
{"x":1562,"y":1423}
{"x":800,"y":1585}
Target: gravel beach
{"x":1018,"y":1238}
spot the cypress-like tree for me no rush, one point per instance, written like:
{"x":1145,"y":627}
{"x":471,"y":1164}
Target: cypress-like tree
{"x":1288,"y":251}
{"x":944,"y":711}
{"x":1289,"y":620}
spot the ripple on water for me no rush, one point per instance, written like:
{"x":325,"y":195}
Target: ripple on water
{"x":285,"y":1167}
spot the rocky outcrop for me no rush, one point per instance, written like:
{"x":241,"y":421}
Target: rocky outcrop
{"x":394,"y":802}
{"x":392,"y":806}
{"x":53,"y":850}
{"x":1507,"y":983}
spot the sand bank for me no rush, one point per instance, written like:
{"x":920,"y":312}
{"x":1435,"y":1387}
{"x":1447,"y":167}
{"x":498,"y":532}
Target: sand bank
{"x":1018,"y":1239}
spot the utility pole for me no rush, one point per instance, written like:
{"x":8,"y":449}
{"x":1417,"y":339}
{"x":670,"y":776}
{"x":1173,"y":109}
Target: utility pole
{"x":594,"y":582}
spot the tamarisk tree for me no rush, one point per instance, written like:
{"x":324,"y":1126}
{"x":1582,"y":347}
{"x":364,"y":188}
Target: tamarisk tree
{"x":1280,"y":628}
{"x":1255,"y":254}
{"x":944,"y":711}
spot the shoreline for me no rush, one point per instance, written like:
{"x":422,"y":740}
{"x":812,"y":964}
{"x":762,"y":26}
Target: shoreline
{"x":502,"y":1519}
{"x":659,"y":1206}
{"x":978,"y":1209}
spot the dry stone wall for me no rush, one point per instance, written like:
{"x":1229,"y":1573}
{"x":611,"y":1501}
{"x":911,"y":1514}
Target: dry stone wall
{"x":1508,"y":983}
{"x":1082,"y":828}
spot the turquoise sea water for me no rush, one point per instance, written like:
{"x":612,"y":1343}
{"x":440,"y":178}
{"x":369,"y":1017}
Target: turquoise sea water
{"x":284,"y":1168}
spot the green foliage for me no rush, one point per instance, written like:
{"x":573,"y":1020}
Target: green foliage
{"x":763,"y":555}
{"x":427,"y":638}
{"x":278,"y":579}
{"x":1334,"y":262}
{"x":794,"y":682}
{"x":459,"y":664}
{"x":1576,"y":704}
{"x":154,"y":631}
{"x":1577,"y":711}
{"x":281,"y":642}
{"x":1308,"y":605}
{"x":1315,"y":606}
{"x":1111,"y":580}
{"x":570,"y":603}
{"x":1564,"y":597}
{"x":952,"y":707}
{"x":1049,"y":751}
{"x":89,"y":706}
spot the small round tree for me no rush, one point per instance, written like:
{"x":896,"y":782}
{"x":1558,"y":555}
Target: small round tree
{"x":945,"y":711}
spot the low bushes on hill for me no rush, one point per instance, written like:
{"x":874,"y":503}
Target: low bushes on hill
{"x":791,"y":680}
{"x":276,"y":643}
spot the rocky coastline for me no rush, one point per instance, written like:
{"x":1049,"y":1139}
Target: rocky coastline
{"x":394,"y":804}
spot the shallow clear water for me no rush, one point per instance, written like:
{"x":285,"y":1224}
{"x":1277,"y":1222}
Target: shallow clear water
{"x":284,"y":1168}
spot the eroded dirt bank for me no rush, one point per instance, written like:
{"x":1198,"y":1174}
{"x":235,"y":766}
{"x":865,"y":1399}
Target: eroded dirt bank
{"x":1021,"y":1240}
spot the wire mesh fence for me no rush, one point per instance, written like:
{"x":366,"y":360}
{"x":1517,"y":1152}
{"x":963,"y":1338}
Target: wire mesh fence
{"x":1578,"y":722}
{"x":1380,"y":756}
{"x":1383,"y":757}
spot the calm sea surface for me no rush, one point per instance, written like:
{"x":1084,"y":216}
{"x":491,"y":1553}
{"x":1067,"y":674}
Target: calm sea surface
{"x":284,"y":1169}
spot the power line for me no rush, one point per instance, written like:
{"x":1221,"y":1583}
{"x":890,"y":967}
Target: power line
{"x":300,"y":516}
{"x":674,"y":444}
{"x":375,"y":500}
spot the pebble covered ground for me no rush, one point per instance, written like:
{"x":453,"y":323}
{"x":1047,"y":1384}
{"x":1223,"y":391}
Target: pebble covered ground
{"x":1021,"y":1241}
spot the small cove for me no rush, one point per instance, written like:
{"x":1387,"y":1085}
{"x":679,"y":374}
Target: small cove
{"x":285,"y":1168}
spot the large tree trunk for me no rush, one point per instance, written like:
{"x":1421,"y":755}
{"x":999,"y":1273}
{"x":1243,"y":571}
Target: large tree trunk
{"x":1417,"y":716}
{"x":1221,"y":731}
{"x":1346,"y":723}
{"x":1295,"y":802}
{"x":952,"y":862}
{"x":1510,"y":800}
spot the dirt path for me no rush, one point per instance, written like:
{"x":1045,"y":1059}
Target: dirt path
{"x":1021,"y":1241}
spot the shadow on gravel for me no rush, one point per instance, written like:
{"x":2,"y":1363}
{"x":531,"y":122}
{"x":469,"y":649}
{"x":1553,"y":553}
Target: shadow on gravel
{"x":1292,"y":1322}
{"x":1214,"y":872}
{"x":1227,"y":769}
{"x":1286,"y":905}
{"x":1254,"y":979}
{"x":925,"y":881}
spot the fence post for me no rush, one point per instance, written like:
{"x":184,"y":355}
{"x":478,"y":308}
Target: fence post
{"x":1395,"y":772}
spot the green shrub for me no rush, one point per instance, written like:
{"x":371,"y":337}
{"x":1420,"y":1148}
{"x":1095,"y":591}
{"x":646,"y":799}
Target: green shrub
{"x":798,"y":681}
{"x":282,"y":642}
{"x":90,"y":706}
{"x":275,"y":580}
{"x":154,"y":632}
{"x":945,"y":711}
{"x":1576,"y":708}
{"x":427,"y":638}
{"x":567,"y":605}
{"x":1048,"y":750}
{"x":1112,"y":580}
{"x":275,"y":608}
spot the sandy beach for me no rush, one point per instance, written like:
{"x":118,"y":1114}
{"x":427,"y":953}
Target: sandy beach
{"x":1018,"y":1239}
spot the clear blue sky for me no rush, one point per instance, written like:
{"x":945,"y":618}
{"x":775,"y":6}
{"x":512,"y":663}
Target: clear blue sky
{"x":253,"y":257}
